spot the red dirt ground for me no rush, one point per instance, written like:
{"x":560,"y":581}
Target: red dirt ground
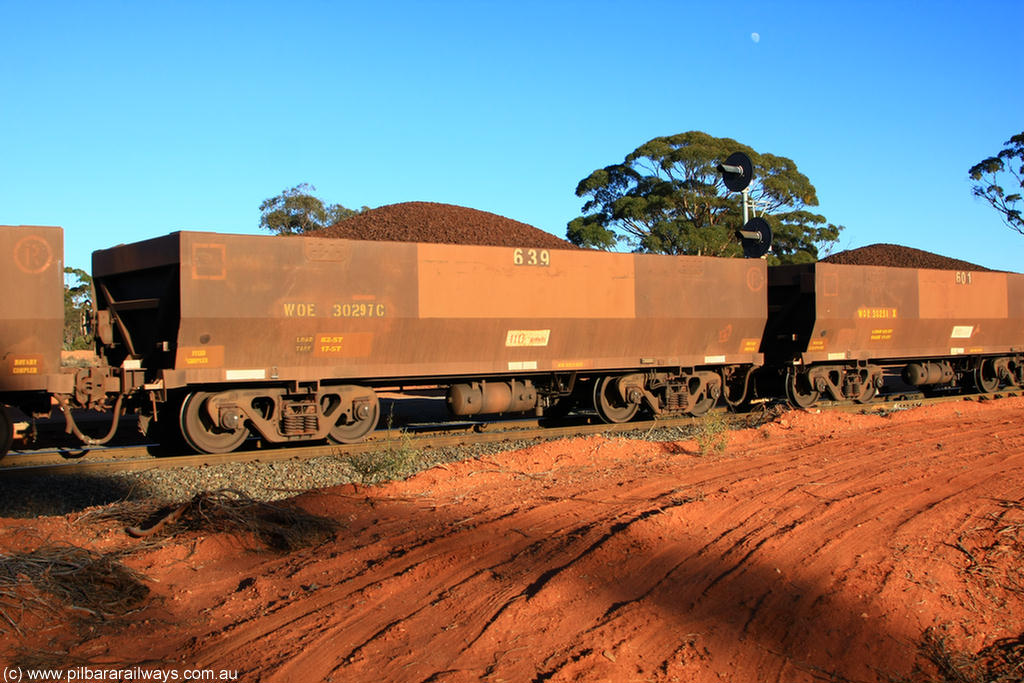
{"x":817,"y":547}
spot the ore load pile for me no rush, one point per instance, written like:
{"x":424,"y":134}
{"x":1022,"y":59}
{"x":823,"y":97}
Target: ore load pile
{"x":897,"y":256}
{"x":444,"y":223}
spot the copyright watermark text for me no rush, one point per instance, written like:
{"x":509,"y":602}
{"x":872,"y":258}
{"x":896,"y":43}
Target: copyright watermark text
{"x":15,"y":674}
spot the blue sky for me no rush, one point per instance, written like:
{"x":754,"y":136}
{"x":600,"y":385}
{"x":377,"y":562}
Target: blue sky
{"x":126,"y":120}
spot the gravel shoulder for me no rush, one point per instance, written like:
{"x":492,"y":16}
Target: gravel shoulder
{"x":816,"y":547}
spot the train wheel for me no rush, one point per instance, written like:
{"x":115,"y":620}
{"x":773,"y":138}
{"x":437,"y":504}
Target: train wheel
{"x":985,"y":378}
{"x":367,"y":412}
{"x":609,"y":405}
{"x":799,"y":390}
{"x":867,"y":393}
{"x":6,"y":431}
{"x":868,"y":390}
{"x":702,"y":405}
{"x":201,"y":433}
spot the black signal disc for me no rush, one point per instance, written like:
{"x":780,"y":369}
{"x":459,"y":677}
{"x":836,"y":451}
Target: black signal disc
{"x":758,"y":245}
{"x":737,"y":182}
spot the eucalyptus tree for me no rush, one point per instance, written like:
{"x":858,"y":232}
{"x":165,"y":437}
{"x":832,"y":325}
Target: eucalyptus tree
{"x":297,"y":211}
{"x":999,"y":180}
{"x":667,"y":196}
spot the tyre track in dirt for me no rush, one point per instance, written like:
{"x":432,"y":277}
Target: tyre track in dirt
{"x":816,"y":546}
{"x":759,"y":531}
{"x":921,"y":504}
{"x":416,"y":567}
{"x":764,"y":601}
{"x":753,"y":540}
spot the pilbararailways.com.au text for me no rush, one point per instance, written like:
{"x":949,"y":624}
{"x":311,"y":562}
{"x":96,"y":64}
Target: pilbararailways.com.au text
{"x":135,"y":673}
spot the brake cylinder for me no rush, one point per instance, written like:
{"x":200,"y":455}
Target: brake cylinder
{"x":479,"y":398}
{"x":920,"y":374}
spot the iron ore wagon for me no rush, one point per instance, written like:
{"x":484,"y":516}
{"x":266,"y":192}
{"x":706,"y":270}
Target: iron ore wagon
{"x":834,"y":329}
{"x":288,"y":337}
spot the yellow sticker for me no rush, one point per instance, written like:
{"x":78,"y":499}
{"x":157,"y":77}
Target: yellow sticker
{"x":347,"y":345}
{"x":200,"y":356}
{"x":750,"y":345}
{"x":527,"y":337}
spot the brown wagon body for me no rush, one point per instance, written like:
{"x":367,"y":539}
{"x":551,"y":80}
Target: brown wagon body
{"x":31,"y":320}
{"x":32,"y":315}
{"x":215,"y":310}
{"x":963,"y":323}
{"x":300,"y":308}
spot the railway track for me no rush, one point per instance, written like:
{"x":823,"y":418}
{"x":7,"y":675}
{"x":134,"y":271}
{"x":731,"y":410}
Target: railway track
{"x":425,"y":436}
{"x":137,"y":458}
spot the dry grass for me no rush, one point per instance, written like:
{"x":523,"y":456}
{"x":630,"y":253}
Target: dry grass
{"x":66,"y":579}
{"x":993,"y":553}
{"x":1000,"y":662}
{"x":394,"y":460}
{"x":281,"y":527}
{"x":711,"y":432}
{"x":762,"y":414}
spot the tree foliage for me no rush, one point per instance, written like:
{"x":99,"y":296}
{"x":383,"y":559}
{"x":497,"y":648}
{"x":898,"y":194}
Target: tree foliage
{"x":77,"y":309}
{"x":297,"y":212}
{"x":667,"y":196}
{"x":999,"y":180}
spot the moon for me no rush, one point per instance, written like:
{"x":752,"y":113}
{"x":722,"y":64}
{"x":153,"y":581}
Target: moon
{"x":756,"y":37}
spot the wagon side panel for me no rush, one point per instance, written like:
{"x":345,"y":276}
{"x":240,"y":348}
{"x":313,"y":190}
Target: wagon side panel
{"x":256,"y":308}
{"x":32,"y":313}
{"x":884,"y":313}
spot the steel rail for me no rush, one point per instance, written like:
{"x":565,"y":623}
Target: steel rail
{"x":422,"y":437}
